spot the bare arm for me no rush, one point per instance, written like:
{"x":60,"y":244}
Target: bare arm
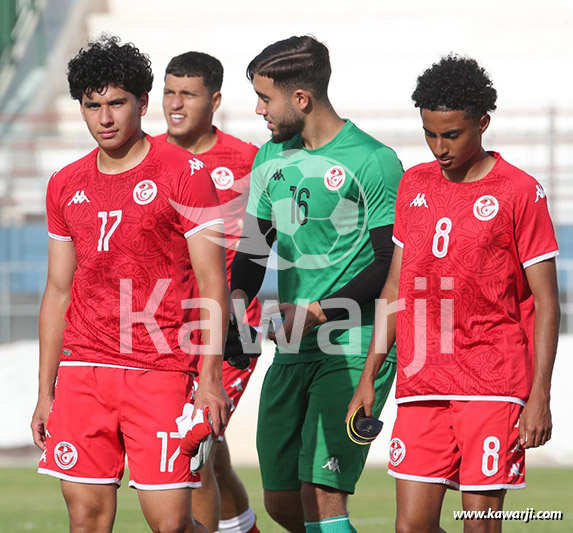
{"x":208,"y":260}
{"x":61,"y":268}
{"x":380,"y":345}
{"x":535,"y":423}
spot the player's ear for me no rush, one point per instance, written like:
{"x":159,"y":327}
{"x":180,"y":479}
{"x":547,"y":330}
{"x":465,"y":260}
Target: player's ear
{"x":142,"y":103}
{"x":216,"y":101}
{"x":301,"y":99}
{"x":483,"y":123}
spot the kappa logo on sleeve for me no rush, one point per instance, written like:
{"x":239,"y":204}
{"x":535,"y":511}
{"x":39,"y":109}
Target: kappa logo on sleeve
{"x":79,"y":198}
{"x":419,"y":201}
{"x":540,"y":193}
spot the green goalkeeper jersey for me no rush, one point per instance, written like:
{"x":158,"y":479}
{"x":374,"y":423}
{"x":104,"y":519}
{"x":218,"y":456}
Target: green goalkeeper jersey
{"x":323,"y":203}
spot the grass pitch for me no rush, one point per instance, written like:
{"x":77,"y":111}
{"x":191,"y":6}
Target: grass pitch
{"x":31,"y":502}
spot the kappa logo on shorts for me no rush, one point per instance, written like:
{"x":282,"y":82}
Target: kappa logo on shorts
{"x":486,"y":208}
{"x":66,"y":455}
{"x":334,"y":178}
{"x":223,"y":178}
{"x":144,"y":192}
{"x":515,"y":470}
{"x":332,"y":465}
{"x":397,"y":451}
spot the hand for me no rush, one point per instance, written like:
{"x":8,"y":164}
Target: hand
{"x":193,"y":430}
{"x":312,"y":315}
{"x":535,"y":422}
{"x":40,"y":421}
{"x":212,"y":395}
{"x":238,"y":353}
{"x":363,"y":395}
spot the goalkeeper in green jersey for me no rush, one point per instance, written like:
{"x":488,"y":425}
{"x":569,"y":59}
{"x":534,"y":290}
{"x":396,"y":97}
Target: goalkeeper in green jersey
{"x":325,"y":190}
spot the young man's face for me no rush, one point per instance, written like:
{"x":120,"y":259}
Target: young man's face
{"x":454,"y":138}
{"x":188,"y":105}
{"x":114,"y":116}
{"x":283,"y":119}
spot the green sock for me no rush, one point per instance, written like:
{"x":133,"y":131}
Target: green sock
{"x":334,"y":524}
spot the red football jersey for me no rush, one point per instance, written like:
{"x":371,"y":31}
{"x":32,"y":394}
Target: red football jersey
{"x":466,"y":328}
{"x":133,"y":269}
{"x":229,"y":162}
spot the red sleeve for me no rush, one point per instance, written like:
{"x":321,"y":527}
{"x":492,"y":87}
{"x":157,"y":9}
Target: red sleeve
{"x":533,"y":227}
{"x":195,"y":198}
{"x":57,"y":227}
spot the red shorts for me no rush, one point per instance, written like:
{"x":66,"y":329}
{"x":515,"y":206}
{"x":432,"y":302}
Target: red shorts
{"x":234,"y":380}
{"x":100,"y":414}
{"x":468,"y":445}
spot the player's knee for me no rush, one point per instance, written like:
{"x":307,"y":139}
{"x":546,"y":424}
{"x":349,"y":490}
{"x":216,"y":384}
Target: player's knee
{"x":176,"y":524}
{"x":406,"y":525}
{"x":89,"y":518}
{"x":276,"y":509}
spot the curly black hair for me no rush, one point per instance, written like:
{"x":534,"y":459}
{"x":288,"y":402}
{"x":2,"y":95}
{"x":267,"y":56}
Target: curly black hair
{"x":104,"y":62}
{"x":455,"y":83}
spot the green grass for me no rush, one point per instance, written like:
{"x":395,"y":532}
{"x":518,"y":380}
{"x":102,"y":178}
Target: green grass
{"x":31,"y":502}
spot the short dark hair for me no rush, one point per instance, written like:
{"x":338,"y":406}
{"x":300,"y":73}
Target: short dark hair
{"x":295,"y":62}
{"x":455,"y":83}
{"x":198,"y":64}
{"x":104,"y":62}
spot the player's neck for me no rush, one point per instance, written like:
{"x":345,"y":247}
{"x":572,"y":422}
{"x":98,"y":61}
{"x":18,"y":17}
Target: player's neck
{"x":321,"y":126}
{"x":475,"y":169}
{"x":197,"y":142}
{"x":122,"y":159}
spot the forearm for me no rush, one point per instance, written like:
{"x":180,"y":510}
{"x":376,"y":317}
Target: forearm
{"x":546,"y":334}
{"x":365,"y":287}
{"x":214,"y":316}
{"x":249,"y":265}
{"x":52,"y":325}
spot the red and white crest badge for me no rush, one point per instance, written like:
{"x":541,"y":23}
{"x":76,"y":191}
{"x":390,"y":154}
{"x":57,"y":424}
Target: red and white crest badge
{"x":334,"y":178}
{"x":144,"y":192}
{"x":486,"y":208}
{"x":397,"y":451}
{"x":66,"y":455}
{"x":223,"y":178}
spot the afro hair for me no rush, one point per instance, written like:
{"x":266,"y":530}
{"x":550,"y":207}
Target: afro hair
{"x":104,"y":62}
{"x":455,"y":83}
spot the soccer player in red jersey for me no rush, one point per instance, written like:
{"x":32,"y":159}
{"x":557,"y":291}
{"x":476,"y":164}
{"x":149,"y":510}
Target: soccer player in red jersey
{"x":475,"y":255}
{"x":130,"y":225}
{"x":190,"y":98}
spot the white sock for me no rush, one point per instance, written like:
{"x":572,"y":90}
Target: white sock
{"x":239,"y":524}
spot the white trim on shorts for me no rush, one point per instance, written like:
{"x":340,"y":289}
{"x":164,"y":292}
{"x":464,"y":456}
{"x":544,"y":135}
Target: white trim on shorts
{"x":88,"y":363}
{"x":66,"y":477}
{"x":424,"y":479}
{"x":493,"y":487}
{"x":454,"y":485}
{"x":457,"y":397}
{"x":168,"y":486}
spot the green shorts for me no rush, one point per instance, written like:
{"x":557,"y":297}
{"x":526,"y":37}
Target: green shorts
{"x":301,"y":434}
